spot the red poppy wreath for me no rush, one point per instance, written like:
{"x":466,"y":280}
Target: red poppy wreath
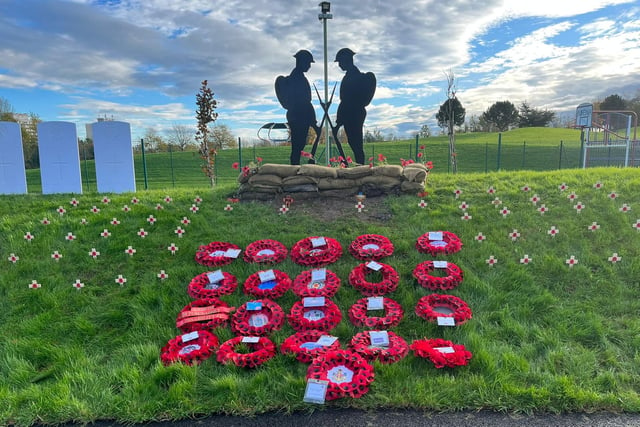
{"x":216,"y":254}
{"x":423,"y":271}
{"x":347,"y":373}
{"x":389,"y":283}
{"x":262,"y":350}
{"x":441,"y":352}
{"x":316,"y":251}
{"x":212,"y":284}
{"x":257,"y":318}
{"x":394,"y":352}
{"x":267,"y":284}
{"x":371,"y":247}
{"x":191,"y":348}
{"x":265,"y":252}
{"x":204,"y":313}
{"x":434,"y":306}
{"x":321,"y":318}
{"x":438,"y":242}
{"x":304,"y":345}
{"x":393,"y":313}
{"x":304,"y":284}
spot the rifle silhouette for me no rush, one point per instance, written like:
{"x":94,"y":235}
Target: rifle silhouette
{"x":334,"y":131}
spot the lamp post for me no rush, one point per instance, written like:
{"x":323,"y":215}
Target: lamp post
{"x":325,"y":8}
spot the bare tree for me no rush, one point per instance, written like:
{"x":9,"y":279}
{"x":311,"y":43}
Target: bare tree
{"x":206,"y":114}
{"x":451,"y":98}
{"x":181,"y":136}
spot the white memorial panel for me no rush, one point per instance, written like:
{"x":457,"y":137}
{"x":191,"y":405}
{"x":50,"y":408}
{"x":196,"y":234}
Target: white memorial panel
{"x":13,"y":178}
{"x":114,"y":157}
{"x":59,"y":158}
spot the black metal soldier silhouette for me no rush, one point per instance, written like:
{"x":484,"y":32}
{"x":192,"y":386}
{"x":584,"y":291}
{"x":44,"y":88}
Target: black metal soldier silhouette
{"x":294,"y":94}
{"x":356,"y":92}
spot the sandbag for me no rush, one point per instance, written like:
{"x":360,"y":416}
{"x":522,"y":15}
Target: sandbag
{"x":265,"y":179}
{"x":388,"y":170}
{"x":355,"y":173}
{"x":336,"y":184}
{"x":300,"y":188}
{"x":279,"y":170}
{"x":317,"y":171}
{"x":415,"y":174}
{"x":299,"y":180}
{"x":412,"y":187}
{"x":380,"y":181}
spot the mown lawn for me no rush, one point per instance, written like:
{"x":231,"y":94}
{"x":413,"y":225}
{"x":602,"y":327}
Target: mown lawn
{"x":544,"y":336}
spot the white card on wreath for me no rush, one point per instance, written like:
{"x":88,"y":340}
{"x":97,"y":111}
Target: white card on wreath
{"x":375,"y":266}
{"x":190,"y":336}
{"x":316,"y":242}
{"x":318,"y":274}
{"x":267,"y":276}
{"x":375,"y":303}
{"x":440,"y":264}
{"x":445,"y":349}
{"x":446,"y":321}
{"x":215,"y":276}
{"x":379,"y":338}
{"x":315,"y":391}
{"x":218,"y":253}
{"x":326,"y":340}
{"x":254,"y":305}
{"x":435,"y":235}
{"x":232,"y":253}
{"x":313,"y":302}
{"x":251,"y":340}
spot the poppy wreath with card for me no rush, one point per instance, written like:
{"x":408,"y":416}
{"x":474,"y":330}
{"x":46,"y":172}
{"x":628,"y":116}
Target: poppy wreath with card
{"x":303,"y":345}
{"x":393,"y":314}
{"x":190,"y":352}
{"x":261,"y":351}
{"x":305,"y":253}
{"x":423,"y":271}
{"x":201,"y":287}
{"x":265,"y":252}
{"x":347,"y":373}
{"x":449,"y":244}
{"x":394,"y":352}
{"x":203,"y":313}
{"x":371,"y":247}
{"x":432,"y":306}
{"x":441,"y":352}
{"x":303,"y":286}
{"x":268,"y":318}
{"x":323,"y":318}
{"x":255,"y":287}
{"x":213,"y":254}
{"x":389,"y":283}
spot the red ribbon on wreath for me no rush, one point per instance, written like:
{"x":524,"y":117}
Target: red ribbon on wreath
{"x":389,"y":283}
{"x":394,"y":352}
{"x":304,"y":345}
{"x":304,"y":286}
{"x":201,"y":286}
{"x":190,"y":349}
{"x":309,"y":252}
{"x":371,"y":247}
{"x":261,"y":351}
{"x":204,"y":313}
{"x":322,"y":318}
{"x":269,"y":317}
{"x":423,"y":271}
{"x":393,"y":314}
{"x":265,"y":251}
{"x":441,"y":352}
{"x":275,"y":288}
{"x":347,"y":373}
{"x":430,"y":307}
{"x":215,"y":254}
{"x":449,"y":244}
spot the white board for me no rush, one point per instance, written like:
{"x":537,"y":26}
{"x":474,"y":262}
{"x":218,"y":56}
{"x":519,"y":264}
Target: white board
{"x":13,"y":177}
{"x":59,"y":158}
{"x":114,"y":157}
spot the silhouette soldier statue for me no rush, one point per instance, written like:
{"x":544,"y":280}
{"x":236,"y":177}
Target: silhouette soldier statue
{"x":294,"y":94}
{"x":356,"y":92}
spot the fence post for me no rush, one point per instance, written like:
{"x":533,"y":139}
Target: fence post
{"x":410,"y":149}
{"x":417,"y":136}
{"x":86,"y":171}
{"x":240,"y":152}
{"x":560,"y":160}
{"x":173,"y":177}
{"x":583,"y":158}
{"x":499,"y":150}
{"x":524,"y":153}
{"x":486,"y":157}
{"x":144,"y":165}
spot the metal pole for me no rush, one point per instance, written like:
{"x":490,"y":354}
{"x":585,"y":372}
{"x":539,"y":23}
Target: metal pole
{"x":144,"y":165}
{"x":173,"y":177}
{"x":240,"y":152}
{"x":499,"y":151}
{"x":324,"y":16}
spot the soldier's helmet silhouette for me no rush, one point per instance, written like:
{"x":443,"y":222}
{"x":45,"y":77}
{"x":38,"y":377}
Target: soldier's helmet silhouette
{"x":304,"y":55}
{"x":344,"y":53}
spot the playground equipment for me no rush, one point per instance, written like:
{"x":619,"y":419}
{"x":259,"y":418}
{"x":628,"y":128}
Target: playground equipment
{"x":274,"y":133}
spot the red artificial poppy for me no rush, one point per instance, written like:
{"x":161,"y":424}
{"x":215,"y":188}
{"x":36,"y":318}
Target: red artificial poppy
{"x":423,"y":271}
{"x":393,"y":313}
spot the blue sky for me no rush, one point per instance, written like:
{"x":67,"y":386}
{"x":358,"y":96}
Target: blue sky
{"x":142,"y":61}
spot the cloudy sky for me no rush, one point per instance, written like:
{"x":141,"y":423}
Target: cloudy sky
{"x":142,"y":61}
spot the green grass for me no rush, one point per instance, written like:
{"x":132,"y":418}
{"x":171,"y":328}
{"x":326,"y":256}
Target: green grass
{"x":521,"y":149}
{"x":544,"y":336}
